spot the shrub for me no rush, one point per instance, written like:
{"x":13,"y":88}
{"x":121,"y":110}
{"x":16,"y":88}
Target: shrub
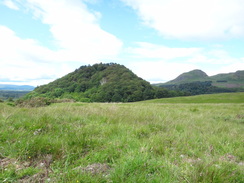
{"x":12,"y":104}
{"x":10,"y":99}
{"x":64,"y":100}
{"x":34,"y":102}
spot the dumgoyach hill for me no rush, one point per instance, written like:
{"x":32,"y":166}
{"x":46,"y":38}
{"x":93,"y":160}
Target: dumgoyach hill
{"x":102,"y":83}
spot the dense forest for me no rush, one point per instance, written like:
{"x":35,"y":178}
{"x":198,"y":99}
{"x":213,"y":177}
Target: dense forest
{"x":102,"y":83}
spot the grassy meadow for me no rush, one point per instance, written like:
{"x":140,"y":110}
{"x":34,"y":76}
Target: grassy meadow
{"x":220,"y":98}
{"x":164,"y":140}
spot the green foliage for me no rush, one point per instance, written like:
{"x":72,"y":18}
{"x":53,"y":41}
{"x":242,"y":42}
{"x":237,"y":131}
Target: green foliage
{"x":100,"y":83}
{"x":34,"y":102}
{"x":84,"y":100}
{"x":12,"y":104}
{"x":10,"y":99}
{"x":57,"y":92}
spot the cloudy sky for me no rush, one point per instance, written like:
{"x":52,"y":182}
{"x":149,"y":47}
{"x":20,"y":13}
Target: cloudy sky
{"x":42,"y":40}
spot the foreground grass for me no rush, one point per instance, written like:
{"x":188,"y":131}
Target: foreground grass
{"x":140,"y":142}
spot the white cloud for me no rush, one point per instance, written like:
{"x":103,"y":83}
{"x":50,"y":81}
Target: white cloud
{"x":213,"y":57}
{"x":22,"y":59}
{"x":234,"y":66}
{"x":160,"y":71}
{"x":10,"y":4}
{"x":192,"y":19}
{"x":76,"y":29}
{"x":149,"y":50}
{"x":158,"y":63}
{"x":76,"y":32}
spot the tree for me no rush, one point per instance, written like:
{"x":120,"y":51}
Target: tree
{"x":117,"y":97}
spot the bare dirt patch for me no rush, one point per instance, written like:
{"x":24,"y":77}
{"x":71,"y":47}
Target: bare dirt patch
{"x":96,"y":168}
{"x":42,"y":164}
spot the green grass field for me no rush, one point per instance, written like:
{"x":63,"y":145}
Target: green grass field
{"x":153,"y":141}
{"x":207,"y":98}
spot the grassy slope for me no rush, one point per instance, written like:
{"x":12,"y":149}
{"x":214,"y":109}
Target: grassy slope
{"x":210,"y":98}
{"x":137,"y":142}
{"x":231,"y":78}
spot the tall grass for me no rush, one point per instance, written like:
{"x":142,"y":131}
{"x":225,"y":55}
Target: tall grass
{"x":137,"y":142}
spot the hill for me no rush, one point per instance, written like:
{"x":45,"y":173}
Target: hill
{"x":209,"y":98}
{"x":99,"y":83}
{"x":198,"y":82}
{"x":187,"y":77}
{"x":227,"y":80}
{"x":16,"y":87}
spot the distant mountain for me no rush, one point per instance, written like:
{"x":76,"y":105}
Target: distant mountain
{"x":100,"y":83}
{"x":228,"y":80}
{"x":16,"y":87}
{"x":194,"y":75}
{"x":11,"y":94}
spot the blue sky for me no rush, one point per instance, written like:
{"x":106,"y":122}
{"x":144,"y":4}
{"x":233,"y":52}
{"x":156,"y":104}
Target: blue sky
{"x":42,"y":40}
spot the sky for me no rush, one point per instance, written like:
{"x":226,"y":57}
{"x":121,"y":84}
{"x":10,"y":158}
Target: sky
{"x":42,"y":40}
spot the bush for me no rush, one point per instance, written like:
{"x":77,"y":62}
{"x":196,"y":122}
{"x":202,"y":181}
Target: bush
{"x":12,"y":104}
{"x":34,"y":102}
{"x":64,"y":100}
{"x":10,"y":99}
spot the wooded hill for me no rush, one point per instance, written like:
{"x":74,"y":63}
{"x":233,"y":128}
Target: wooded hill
{"x":102,"y":83}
